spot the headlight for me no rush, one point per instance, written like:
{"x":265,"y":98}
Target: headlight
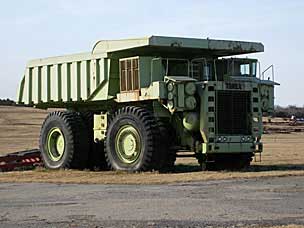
{"x":170,"y":96}
{"x":222,"y":139}
{"x":246,"y":139}
{"x":190,"y":102}
{"x":190,"y":88}
{"x":170,"y":104}
{"x":170,"y":86}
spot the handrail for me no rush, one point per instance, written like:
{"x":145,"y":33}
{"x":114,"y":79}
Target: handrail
{"x":272,"y":72}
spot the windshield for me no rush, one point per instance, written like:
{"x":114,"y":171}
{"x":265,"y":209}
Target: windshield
{"x":201,"y":69}
{"x":176,"y":67}
{"x":246,"y":69}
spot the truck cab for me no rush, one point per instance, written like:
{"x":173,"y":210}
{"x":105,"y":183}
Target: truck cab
{"x":218,"y":102}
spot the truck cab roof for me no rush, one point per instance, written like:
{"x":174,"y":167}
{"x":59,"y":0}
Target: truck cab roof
{"x":174,"y":46}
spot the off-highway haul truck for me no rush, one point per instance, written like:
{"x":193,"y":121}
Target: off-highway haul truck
{"x":135,"y":104}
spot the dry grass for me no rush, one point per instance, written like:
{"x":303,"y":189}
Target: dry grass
{"x":283,"y":149}
{"x":19,"y":130}
{"x":89,"y":177}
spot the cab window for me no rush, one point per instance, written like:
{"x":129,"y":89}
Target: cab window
{"x":245,"y":69}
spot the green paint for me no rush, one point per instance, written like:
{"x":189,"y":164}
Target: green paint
{"x":59,"y":74}
{"x":20,"y":91}
{"x":68,"y":81}
{"x":48,"y":76}
{"x":39,"y":83}
{"x":97,"y":68}
{"x":78,"y":69}
{"x":30,"y":84}
{"x":114,"y":86}
{"x":88,"y":74}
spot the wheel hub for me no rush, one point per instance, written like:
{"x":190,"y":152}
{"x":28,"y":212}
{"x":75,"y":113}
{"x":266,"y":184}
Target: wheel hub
{"x":60,"y":144}
{"x":55,"y":144}
{"x":128,"y":144}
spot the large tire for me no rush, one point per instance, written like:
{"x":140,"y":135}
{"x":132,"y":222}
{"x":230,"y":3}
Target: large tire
{"x":131,"y":141}
{"x":64,"y":141}
{"x":96,"y":156}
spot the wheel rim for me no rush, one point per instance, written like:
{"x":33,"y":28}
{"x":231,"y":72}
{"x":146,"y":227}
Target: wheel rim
{"x":55,"y":144}
{"x":128,"y":144}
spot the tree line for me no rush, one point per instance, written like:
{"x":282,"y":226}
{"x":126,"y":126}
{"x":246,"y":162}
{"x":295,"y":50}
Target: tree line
{"x":287,"y":112}
{"x":8,"y":102}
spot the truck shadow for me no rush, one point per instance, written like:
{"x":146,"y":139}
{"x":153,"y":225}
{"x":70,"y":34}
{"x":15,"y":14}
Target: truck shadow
{"x":187,"y":168}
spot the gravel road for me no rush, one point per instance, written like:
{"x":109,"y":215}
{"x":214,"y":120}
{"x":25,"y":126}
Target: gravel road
{"x":226,"y":203}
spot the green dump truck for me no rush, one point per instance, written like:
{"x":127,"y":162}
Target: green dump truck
{"x":136,"y":104}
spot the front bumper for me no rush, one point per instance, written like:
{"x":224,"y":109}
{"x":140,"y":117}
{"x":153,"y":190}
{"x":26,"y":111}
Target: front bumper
{"x":251,"y":147}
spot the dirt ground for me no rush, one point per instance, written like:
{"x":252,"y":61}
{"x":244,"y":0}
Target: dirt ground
{"x":19,"y":130}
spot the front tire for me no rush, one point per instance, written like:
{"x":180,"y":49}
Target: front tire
{"x":64,"y":141}
{"x":131,"y":140}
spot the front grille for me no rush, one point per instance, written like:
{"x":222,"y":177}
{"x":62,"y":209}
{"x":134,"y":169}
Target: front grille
{"x":233,"y":113}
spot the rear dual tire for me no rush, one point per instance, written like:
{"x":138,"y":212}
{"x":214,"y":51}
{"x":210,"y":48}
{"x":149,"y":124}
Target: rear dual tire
{"x":135,"y":141}
{"x":64,"y":141}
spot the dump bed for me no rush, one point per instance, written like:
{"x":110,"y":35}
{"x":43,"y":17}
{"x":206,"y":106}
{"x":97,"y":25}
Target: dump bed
{"x":94,"y":76}
{"x":63,"y":79}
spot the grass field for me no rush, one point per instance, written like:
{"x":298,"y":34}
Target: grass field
{"x":19,"y":130}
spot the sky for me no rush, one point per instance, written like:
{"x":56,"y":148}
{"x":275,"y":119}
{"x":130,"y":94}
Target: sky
{"x":32,"y":29}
